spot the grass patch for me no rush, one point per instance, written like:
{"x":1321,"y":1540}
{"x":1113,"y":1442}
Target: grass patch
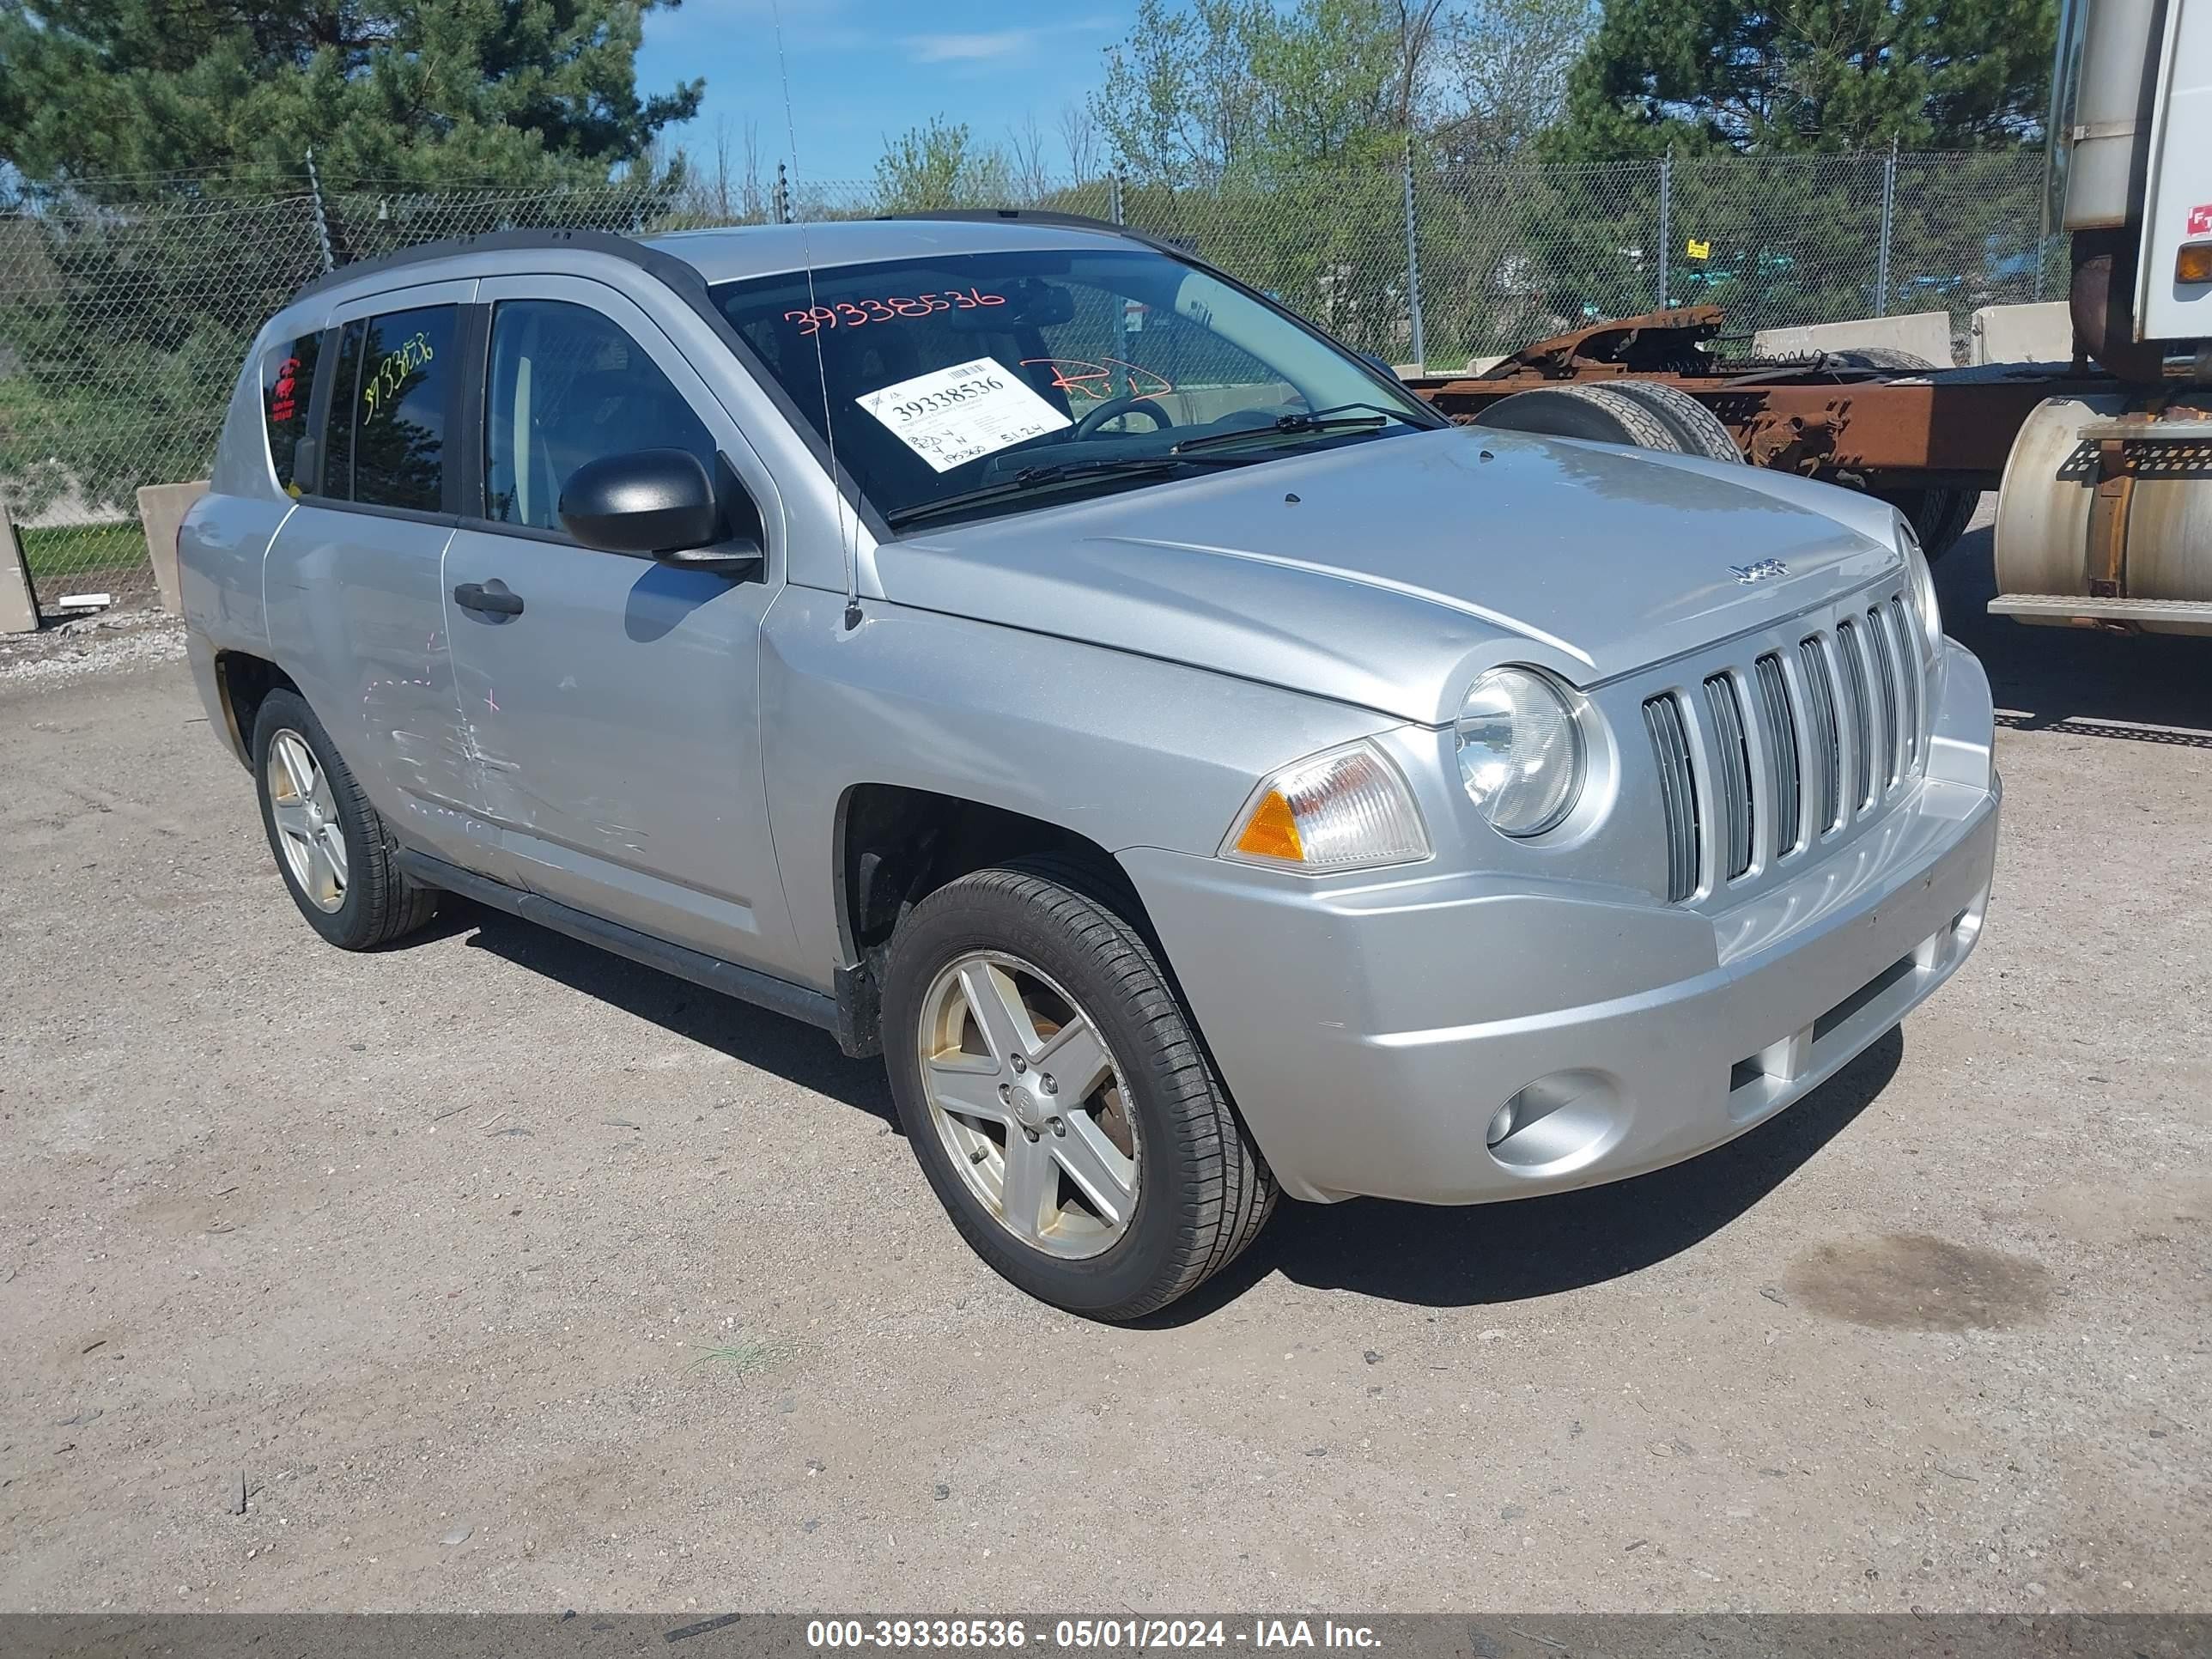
{"x":65,"y":551}
{"x":741,"y":1354}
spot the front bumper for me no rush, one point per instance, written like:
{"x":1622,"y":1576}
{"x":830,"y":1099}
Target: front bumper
{"x":1371,"y":1034}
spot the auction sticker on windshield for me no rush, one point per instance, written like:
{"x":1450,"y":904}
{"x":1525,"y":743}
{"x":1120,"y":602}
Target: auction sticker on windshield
{"x":950,"y":416}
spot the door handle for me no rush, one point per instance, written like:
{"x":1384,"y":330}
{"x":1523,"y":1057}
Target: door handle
{"x":492,"y":596}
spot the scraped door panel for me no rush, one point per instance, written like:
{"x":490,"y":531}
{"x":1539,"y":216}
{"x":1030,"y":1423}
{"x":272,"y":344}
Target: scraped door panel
{"x":614,"y":716}
{"x":355,"y":580}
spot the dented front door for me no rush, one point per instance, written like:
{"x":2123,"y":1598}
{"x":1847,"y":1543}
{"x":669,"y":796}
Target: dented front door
{"x":611,"y":703}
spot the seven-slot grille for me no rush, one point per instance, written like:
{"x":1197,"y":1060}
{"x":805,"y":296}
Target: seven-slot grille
{"x":1769,"y":761}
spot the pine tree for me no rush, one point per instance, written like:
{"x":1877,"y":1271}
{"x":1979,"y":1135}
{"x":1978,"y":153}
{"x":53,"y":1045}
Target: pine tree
{"x":426,"y":92}
{"x":1701,"y":75}
{"x":159,"y":151}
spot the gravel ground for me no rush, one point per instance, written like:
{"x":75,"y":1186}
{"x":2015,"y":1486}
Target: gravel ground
{"x":489,"y":1273}
{"x":129,"y":636}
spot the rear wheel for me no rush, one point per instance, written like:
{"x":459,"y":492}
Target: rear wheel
{"x":1057,"y":1098}
{"x":1696,"y":428}
{"x":331,"y":848}
{"x":1598,"y":413}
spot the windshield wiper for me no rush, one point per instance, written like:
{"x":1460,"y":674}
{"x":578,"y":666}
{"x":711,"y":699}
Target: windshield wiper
{"x":1041,"y":477}
{"x":1319,"y":420}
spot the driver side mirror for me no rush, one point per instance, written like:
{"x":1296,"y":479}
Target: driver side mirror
{"x":659,"y":502}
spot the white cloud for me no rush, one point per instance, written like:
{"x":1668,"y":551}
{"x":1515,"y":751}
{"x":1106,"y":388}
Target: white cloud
{"x":971,"y":48}
{"x":994,"y":45}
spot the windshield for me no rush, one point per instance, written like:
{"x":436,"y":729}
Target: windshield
{"x":964,"y":385}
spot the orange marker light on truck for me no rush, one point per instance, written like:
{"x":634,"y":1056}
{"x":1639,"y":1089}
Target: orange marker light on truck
{"x":2193,"y":263}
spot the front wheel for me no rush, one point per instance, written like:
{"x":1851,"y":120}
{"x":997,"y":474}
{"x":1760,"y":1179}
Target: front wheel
{"x":1058,"y":1100}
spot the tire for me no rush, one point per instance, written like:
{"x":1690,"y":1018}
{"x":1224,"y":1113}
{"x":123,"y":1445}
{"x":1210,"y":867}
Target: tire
{"x":976,"y":1120}
{"x":370,"y":902}
{"x":1881,"y":357}
{"x":1698,"y":431}
{"x":1597,"y":413}
{"x":1939,"y":515}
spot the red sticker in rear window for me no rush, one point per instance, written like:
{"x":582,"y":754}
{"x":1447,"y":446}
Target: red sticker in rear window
{"x":282,"y":395}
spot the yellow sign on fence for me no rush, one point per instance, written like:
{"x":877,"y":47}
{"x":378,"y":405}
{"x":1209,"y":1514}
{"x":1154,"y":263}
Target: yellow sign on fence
{"x":1699,"y":249}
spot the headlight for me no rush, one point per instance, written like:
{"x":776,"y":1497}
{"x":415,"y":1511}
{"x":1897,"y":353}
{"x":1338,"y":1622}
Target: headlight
{"x":1520,"y":750}
{"x":1923,"y":581}
{"x":1344,"y":809}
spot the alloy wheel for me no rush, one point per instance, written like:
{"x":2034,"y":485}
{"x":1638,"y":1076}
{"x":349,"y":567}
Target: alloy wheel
{"x":307,"y":817}
{"x":1030,"y":1104}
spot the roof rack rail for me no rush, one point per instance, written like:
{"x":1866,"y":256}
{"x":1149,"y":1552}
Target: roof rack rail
{"x":1058,"y":221}
{"x":664,"y":265}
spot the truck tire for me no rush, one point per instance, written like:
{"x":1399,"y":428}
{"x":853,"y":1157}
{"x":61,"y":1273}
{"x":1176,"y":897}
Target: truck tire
{"x":1881,"y":357}
{"x":1696,"y":428}
{"x":1057,"y":1097}
{"x":1598,"y":413}
{"x":330,"y":844}
{"x":1940,"y":514}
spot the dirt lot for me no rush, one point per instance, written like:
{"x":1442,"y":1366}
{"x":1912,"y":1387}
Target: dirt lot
{"x":497,"y":1273}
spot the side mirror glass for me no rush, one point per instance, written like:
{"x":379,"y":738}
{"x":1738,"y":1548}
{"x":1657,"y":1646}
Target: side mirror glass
{"x":655,"y":502}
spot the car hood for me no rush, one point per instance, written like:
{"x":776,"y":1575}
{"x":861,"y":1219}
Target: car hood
{"x":1387,"y":573}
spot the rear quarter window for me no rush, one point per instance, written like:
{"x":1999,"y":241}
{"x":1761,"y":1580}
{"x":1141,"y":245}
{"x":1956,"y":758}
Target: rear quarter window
{"x":387,"y":423}
{"x":288,"y":380}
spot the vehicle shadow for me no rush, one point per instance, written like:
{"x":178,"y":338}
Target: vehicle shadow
{"x":2078,"y":681}
{"x":788,"y":1047}
{"x":1472,"y":1256}
{"x":1429,"y":1255}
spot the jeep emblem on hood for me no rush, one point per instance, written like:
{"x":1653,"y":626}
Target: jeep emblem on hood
{"x":1747,"y":573}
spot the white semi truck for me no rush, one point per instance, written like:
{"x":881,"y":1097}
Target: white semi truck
{"x":2104,"y":465}
{"x":2105,"y":511}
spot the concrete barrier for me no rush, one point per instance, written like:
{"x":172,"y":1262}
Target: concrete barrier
{"x":162,"y":509}
{"x":2022,"y":334}
{"x":1923,"y":333}
{"x":19,"y":604}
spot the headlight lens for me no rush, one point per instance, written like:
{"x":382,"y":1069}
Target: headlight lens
{"x":1923,"y":582}
{"x":1520,"y":750}
{"x":1344,"y":809}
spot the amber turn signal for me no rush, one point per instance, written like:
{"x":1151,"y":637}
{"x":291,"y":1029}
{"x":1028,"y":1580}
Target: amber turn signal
{"x":1272,"y":831}
{"x":1344,"y":809}
{"x":2193,"y":264}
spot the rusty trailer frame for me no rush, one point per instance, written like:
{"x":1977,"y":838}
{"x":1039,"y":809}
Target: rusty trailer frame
{"x":1881,"y":429}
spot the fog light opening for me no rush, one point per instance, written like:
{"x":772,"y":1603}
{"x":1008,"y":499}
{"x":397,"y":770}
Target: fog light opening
{"x":1567,"y":1117}
{"x":1501,"y":1123}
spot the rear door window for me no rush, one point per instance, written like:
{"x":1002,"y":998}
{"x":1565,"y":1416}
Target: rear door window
{"x":388,"y":409}
{"x":287,"y":383}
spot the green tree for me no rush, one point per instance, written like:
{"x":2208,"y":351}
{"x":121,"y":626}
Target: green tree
{"x":1799,"y":76}
{"x":1239,"y":90}
{"x":424,"y":91}
{"x":1507,"y":62}
{"x":940,"y":166}
{"x":160,"y":212}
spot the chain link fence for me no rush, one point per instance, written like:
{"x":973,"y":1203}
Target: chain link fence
{"x":126,"y":307}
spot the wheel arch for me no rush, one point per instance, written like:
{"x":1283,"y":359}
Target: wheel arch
{"x":242,"y":681}
{"x":895,"y":844}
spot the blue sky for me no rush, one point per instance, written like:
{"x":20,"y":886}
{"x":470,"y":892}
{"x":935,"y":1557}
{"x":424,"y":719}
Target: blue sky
{"x":861,"y":70}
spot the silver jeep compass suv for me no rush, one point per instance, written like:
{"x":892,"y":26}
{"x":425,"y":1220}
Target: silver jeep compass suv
{"x":1019,"y":649}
